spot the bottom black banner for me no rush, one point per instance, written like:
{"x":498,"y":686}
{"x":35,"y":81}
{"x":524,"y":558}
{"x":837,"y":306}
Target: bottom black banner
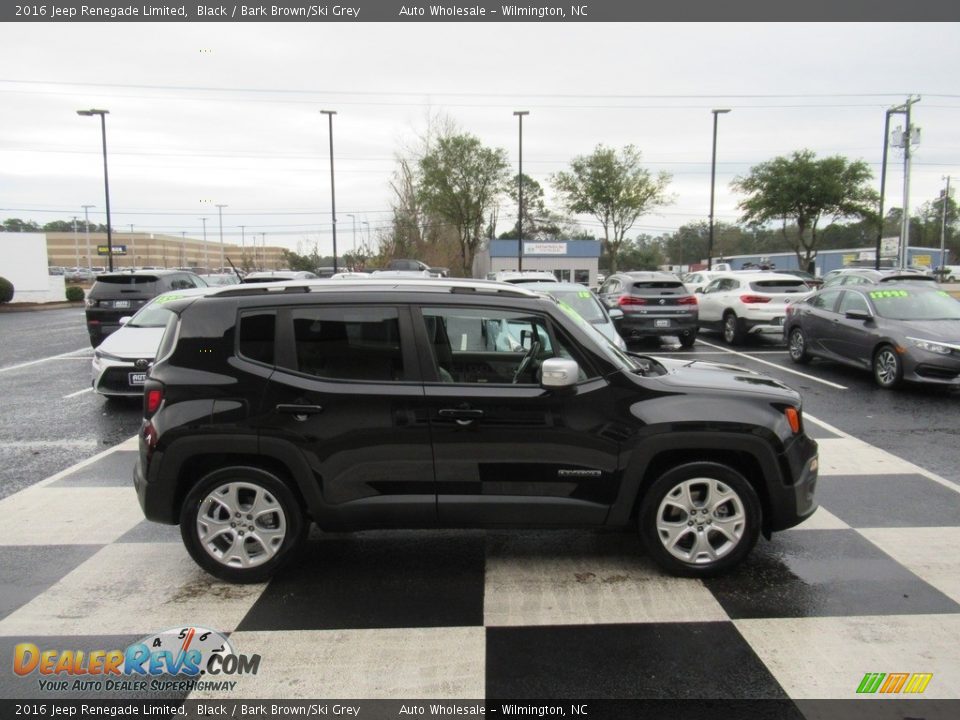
{"x":686,"y":709}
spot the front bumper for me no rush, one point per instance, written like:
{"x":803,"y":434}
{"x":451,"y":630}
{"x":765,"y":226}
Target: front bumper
{"x":794,"y":501}
{"x":117,"y":377}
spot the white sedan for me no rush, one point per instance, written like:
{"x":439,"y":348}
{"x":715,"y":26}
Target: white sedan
{"x":121,"y":361}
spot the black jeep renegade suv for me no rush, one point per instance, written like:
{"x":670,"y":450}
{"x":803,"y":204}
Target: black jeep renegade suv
{"x":418,"y":403}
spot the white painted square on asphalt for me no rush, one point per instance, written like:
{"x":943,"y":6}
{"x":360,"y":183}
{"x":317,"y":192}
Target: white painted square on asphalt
{"x":68,"y":516}
{"x":412,"y":663}
{"x":849,"y":456}
{"x":827,"y":657}
{"x":133,"y":588}
{"x":930,"y":552}
{"x":591,"y":590}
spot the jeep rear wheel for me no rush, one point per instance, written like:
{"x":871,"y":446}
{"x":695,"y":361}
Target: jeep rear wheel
{"x":700,"y":519}
{"x":241,"y":524}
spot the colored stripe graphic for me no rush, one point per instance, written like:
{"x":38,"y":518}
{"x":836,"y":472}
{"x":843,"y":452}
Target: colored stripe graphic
{"x":918,"y":682}
{"x":870,"y":683}
{"x":894,"y":683}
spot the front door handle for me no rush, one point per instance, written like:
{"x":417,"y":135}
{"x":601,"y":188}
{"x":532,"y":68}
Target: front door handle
{"x":463,"y":416}
{"x":299,"y":412}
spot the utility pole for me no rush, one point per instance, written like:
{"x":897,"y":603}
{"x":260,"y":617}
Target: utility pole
{"x":520,"y":114}
{"x":206,"y":254}
{"x":86,"y":224}
{"x":76,"y":245}
{"x":333,"y":194}
{"x":943,"y":231}
{"x":220,"y":213}
{"x":909,"y":135}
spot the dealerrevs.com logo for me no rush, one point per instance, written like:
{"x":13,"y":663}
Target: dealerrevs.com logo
{"x":179,"y":659}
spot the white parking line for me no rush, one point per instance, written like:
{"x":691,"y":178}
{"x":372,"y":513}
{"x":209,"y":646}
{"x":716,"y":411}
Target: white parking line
{"x":778,"y":367}
{"x":43,"y":360}
{"x":78,"y":392}
{"x":720,"y":352}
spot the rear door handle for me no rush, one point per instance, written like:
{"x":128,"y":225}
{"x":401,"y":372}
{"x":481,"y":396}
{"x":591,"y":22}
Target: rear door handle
{"x":299,"y":412}
{"x":463,"y":416}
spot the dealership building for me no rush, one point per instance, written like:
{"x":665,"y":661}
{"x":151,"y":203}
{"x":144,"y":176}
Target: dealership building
{"x":570,"y":260}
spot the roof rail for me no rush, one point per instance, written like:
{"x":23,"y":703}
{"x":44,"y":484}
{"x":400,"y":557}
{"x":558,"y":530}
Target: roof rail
{"x":452,"y":285}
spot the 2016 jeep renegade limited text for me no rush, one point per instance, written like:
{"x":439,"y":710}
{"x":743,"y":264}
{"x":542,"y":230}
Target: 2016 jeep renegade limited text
{"x":418,"y":403}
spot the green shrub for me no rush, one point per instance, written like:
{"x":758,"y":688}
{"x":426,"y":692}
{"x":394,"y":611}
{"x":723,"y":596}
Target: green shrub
{"x":74,"y":293}
{"x":6,"y":290}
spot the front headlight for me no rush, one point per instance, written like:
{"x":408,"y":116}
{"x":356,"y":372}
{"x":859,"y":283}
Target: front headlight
{"x":930,"y":346}
{"x":101,"y":355}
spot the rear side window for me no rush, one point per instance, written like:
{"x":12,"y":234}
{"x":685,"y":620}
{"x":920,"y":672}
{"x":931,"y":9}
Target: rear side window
{"x":660,"y":287}
{"x":348,"y":343}
{"x":257,"y":336}
{"x":779,"y":286}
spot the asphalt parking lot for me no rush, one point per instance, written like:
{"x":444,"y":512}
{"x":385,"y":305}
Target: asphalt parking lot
{"x":871,"y":583}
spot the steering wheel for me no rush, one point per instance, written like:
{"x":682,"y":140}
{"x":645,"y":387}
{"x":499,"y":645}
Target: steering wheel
{"x":526,"y":360}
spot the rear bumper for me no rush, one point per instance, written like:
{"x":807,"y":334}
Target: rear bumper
{"x":633,"y":326}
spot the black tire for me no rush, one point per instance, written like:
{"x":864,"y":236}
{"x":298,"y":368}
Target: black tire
{"x":273,"y":537}
{"x":797,"y":346}
{"x":732,"y":330}
{"x":665,"y":507}
{"x":887,"y":368}
{"x":688,"y":338}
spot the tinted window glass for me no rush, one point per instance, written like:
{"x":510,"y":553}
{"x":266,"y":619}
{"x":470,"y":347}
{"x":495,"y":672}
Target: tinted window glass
{"x":488,"y":346}
{"x":853,"y":301}
{"x":660,"y":287}
{"x":348,"y":343}
{"x":257,"y":333}
{"x":825,"y":300}
{"x":779,"y":286}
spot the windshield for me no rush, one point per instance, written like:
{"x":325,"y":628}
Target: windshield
{"x":154,"y":314}
{"x":583,"y":302}
{"x":915,"y":304}
{"x":614,"y":354}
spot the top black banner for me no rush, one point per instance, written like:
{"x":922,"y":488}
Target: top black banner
{"x":577,"y":11}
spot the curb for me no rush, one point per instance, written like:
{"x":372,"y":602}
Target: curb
{"x":31,"y":307}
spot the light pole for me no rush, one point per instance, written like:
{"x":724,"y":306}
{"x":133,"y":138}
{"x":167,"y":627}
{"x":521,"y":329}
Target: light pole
{"x":520,"y":114}
{"x":220,"y":214}
{"x":133,"y":250}
{"x":943,"y":232}
{"x":354,"y":218}
{"x":76,"y":245}
{"x":106,"y":181}
{"x":183,"y":248}
{"x":86,"y":224}
{"x":713,"y":180}
{"x":333,"y":195}
{"x":243,"y":246}
{"x":206,"y":254}
{"x":367,"y":241}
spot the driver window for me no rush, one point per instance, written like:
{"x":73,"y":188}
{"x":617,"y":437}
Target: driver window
{"x":712,"y":287}
{"x":488,"y":346}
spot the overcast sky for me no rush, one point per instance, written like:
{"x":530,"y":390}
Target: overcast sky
{"x":226,"y":113}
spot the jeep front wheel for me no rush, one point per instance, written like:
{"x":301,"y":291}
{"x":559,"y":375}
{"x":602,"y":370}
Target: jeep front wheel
{"x":241,"y":523}
{"x":700,"y":519}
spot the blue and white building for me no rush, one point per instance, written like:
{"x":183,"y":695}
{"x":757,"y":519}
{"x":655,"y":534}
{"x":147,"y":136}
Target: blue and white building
{"x":570,"y":260}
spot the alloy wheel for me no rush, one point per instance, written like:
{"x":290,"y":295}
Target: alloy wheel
{"x":241,"y":525}
{"x":701,"y":520}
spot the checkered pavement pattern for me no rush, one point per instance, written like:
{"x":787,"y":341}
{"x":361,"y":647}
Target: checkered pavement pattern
{"x":871,"y":583}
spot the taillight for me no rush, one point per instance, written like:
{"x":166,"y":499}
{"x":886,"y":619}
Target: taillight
{"x":748,"y":299}
{"x":793,"y":417}
{"x":151,"y":400}
{"x":630,"y":300}
{"x":687,"y":300}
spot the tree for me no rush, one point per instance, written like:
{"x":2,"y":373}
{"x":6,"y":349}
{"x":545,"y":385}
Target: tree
{"x":18,"y":225}
{"x":805,"y":190}
{"x":614,"y":188}
{"x":461,"y":182}
{"x":538,"y":222}
{"x":643,"y":253}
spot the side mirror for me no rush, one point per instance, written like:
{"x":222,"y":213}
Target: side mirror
{"x":125,"y":319}
{"x":859,"y":315}
{"x":615,"y":313}
{"x":559,"y":373}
